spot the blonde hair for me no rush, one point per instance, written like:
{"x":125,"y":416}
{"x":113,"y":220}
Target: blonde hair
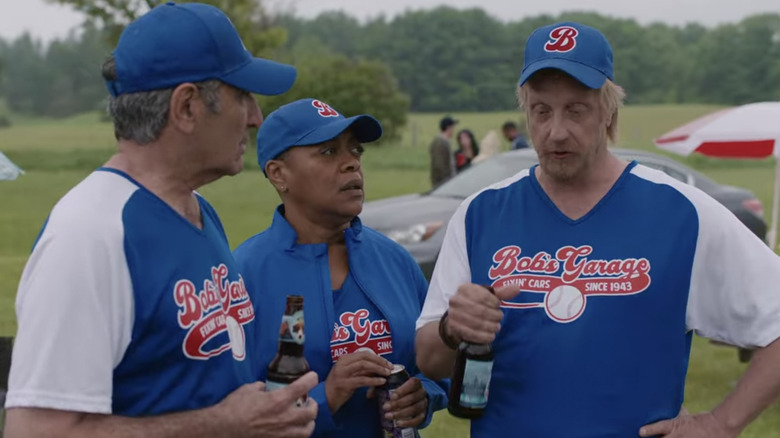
{"x":611,"y":97}
{"x":488,"y":146}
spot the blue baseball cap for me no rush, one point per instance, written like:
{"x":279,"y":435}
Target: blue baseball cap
{"x":578,"y":50}
{"x":307,"y":122}
{"x":191,"y":42}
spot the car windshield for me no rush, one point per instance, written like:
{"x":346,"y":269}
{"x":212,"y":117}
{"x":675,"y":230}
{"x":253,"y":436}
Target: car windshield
{"x":481,"y":175}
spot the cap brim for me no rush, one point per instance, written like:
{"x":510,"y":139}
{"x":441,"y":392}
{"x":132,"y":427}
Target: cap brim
{"x":588,"y":76}
{"x":262,"y":76}
{"x":365,"y":128}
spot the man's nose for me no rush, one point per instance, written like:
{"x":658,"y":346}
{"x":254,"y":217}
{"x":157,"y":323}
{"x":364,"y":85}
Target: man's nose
{"x":558,"y":128}
{"x":255,"y":118}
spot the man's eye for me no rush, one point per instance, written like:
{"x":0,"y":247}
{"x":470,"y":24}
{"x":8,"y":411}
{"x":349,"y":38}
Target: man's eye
{"x":578,"y":110}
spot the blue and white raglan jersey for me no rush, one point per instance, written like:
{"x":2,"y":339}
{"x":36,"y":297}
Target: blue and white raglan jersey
{"x":597,"y":343}
{"x":125,"y":307}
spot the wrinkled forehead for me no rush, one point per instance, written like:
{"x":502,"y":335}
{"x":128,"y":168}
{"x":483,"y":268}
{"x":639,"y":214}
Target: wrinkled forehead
{"x":553,"y":84}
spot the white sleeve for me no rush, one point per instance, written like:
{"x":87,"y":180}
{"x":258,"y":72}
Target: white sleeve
{"x":735,"y":280}
{"x":75,"y":314}
{"x":452,"y":268}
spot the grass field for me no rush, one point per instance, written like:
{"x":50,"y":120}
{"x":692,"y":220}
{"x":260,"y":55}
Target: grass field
{"x":57,"y":154}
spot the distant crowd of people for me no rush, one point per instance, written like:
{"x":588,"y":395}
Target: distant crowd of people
{"x":446,"y":163}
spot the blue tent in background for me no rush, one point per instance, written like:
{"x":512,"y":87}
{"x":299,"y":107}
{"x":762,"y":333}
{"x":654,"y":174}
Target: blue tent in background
{"x":8,"y":170}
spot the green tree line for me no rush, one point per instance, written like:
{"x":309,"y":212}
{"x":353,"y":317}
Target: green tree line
{"x":441,"y":59}
{"x":466,"y":60}
{"x":59,"y":80}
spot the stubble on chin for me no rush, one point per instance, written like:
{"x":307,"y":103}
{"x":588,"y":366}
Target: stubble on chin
{"x":559,"y":171}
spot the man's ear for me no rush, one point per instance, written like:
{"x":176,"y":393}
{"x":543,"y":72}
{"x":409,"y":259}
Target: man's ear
{"x":185,"y":107}
{"x":274,"y":169}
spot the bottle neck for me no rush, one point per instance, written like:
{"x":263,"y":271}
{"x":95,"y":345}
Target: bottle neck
{"x":291,"y":330}
{"x":482,"y":350}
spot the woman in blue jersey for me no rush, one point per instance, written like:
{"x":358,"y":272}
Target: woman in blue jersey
{"x":362,"y":292}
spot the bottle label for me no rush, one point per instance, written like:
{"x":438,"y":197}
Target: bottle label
{"x":399,"y":433}
{"x":292,"y":328}
{"x":273,"y":386}
{"x":476,"y":382}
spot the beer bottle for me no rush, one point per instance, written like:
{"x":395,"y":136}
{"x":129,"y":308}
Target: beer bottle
{"x":471,"y":378}
{"x":289,"y":364}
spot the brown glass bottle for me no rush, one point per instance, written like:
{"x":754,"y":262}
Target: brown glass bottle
{"x":289,"y":364}
{"x":470,"y":380}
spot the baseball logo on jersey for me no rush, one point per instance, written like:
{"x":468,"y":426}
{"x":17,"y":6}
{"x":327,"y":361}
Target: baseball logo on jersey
{"x":324,"y":109}
{"x":221,"y":306}
{"x":356,"y":331}
{"x":562,"y":39}
{"x":567,"y":278}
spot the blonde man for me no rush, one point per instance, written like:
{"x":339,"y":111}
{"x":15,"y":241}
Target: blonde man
{"x":603,"y":269}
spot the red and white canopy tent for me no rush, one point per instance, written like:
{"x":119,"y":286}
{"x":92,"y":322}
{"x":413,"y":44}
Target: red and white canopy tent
{"x":747,"y":131}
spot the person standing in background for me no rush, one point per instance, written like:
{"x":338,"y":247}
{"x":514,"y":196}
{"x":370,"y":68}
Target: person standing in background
{"x":512,"y":133}
{"x":442,"y":160}
{"x":468,"y":148}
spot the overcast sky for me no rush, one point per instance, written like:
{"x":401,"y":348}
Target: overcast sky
{"x":46,"y":21}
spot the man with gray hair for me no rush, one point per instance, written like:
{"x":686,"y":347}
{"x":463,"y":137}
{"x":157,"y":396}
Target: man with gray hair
{"x":133,"y":318}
